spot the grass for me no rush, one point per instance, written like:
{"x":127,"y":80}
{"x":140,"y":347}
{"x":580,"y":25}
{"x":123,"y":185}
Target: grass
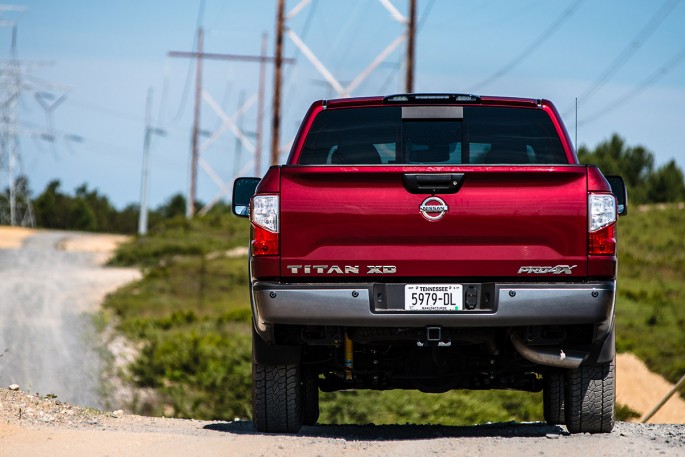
{"x":180,"y":237}
{"x":650,"y":310}
{"x":451,"y":408}
{"x":190,"y":314}
{"x":206,"y":287}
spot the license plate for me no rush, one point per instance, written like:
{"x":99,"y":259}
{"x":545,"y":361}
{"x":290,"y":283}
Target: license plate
{"x":433,"y":297}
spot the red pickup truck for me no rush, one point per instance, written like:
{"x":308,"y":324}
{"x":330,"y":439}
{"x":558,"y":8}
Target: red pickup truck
{"x":433,"y":242}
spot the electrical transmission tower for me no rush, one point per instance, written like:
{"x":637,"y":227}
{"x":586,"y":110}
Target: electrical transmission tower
{"x":342,"y":90}
{"x":15,"y":203}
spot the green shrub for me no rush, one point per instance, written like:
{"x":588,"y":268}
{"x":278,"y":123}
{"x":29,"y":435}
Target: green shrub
{"x":200,"y":371}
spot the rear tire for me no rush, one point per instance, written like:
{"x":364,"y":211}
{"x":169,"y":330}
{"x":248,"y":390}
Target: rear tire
{"x":276,"y":398}
{"x":310,"y":399}
{"x":553,"y":398}
{"x":591,"y":398}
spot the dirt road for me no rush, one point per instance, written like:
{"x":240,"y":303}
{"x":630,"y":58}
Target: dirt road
{"x":30,"y":426}
{"x":51,"y":284}
{"x":198,"y":439}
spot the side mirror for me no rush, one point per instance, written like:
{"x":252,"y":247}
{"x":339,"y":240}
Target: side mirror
{"x":243,"y":190}
{"x":618,"y":187}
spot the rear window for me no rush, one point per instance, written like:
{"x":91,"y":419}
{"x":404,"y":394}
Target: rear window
{"x":475,"y":135}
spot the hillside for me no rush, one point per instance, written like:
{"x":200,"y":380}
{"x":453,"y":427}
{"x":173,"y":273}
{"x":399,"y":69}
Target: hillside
{"x":651,"y":273}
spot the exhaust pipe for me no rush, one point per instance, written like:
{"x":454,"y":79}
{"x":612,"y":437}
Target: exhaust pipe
{"x":546,"y":356}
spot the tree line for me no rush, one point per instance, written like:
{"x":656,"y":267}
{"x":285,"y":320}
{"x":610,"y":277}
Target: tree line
{"x":87,"y":209}
{"x":645,"y":182}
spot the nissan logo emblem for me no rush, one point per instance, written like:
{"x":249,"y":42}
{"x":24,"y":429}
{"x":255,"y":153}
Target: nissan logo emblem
{"x":433,"y":208}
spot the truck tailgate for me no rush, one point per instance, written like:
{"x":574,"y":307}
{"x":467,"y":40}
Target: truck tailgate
{"x":339,"y":221}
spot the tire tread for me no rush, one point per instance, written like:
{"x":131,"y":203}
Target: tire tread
{"x":591,"y":398}
{"x":276,"y":398}
{"x":310,"y":399}
{"x":553,"y":398}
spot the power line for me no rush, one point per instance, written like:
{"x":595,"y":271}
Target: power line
{"x":563,"y":17}
{"x":426,"y":12}
{"x":287,"y":80}
{"x":186,"y":84}
{"x":630,"y":49}
{"x":101,"y":148}
{"x":123,"y":115}
{"x":630,"y":95}
{"x":109,"y":111}
{"x":392,"y":74}
{"x":104,"y":148}
{"x":396,"y":66}
{"x":343,"y":36}
{"x":199,"y":56}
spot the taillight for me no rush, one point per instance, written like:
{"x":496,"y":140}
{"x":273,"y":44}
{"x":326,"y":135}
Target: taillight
{"x":601,"y":224}
{"x":265,"y":218}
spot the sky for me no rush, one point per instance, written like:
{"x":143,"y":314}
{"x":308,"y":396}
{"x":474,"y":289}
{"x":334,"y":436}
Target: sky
{"x":624,"y":61}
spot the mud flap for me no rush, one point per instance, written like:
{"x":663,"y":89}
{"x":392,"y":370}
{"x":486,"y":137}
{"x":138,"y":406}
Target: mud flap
{"x":274,"y":354}
{"x":604,"y":350}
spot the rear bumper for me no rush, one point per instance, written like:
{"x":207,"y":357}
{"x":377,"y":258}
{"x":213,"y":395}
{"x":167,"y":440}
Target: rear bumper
{"x":513,"y":304}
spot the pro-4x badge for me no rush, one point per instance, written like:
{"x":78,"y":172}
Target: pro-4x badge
{"x":433,"y":208}
{"x":556,"y":270}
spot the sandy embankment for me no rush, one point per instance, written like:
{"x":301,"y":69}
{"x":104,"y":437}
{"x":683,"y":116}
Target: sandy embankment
{"x":101,"y":244}
{"x":13,"y":237}
{"x":641,"y":390}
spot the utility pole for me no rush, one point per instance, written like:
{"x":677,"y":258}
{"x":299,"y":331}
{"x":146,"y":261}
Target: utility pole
{"x":238,"y":143}
{"x":276,"y":115}
{"x":411,"y":35}
{"x":260,"y":108}
{"x":142,"y":216}
{"x":144,"y":179}
{"x":192,"y":194}
{"x":200,"y":55}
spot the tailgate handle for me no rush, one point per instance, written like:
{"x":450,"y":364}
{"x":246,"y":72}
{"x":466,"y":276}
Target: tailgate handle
{"x":430,"y":183}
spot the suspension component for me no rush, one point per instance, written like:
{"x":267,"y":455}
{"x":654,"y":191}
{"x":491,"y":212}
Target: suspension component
{"x":349,"y":357}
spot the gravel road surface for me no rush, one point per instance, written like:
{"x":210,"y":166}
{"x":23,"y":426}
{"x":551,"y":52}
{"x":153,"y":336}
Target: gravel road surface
{"x":31,"y":426}
{"x":49,"y":290}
